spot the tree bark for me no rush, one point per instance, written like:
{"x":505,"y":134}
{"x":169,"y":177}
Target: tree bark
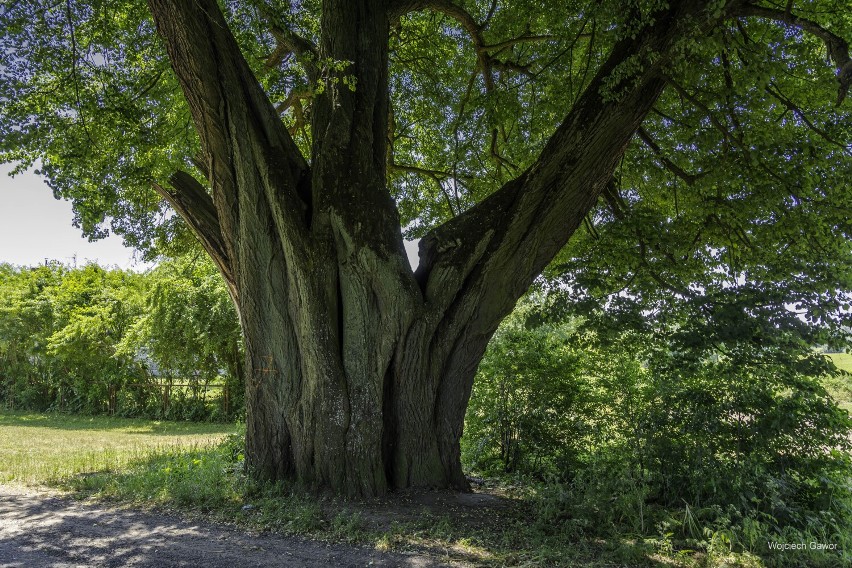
{"x":358,"y":371}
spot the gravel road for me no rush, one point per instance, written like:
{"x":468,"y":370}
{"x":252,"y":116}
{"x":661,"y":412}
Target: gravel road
{"x":40,"y":529}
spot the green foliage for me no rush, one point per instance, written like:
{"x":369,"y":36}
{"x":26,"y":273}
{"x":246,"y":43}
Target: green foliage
{"x":59,"y":330}
{"x":186,"y":478}
{"x":633,"y":417}
{"x":744,"y":143}
{"x":110,"y":119}
{"x":92,"y":340}
{"x":189,"y":329}
{"x":87,"y":95}
{"x":518,"y":414}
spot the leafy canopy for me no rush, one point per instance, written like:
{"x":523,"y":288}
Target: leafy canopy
{"x":737,"y":181}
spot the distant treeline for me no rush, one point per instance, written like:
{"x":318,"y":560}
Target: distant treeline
{"x":159,"y":344}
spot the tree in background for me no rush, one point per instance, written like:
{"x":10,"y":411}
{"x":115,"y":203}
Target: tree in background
{"x":301,"y":140}
{"x":189,"y":330}
{"x":26,"y":321}
{"x":94,"y":340}
{"x":60,"y":329}
{"x":93,"y":309}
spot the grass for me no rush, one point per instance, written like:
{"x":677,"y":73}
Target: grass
{"x":50,"y":448}
{"x":842,"y":360}
{"x":197,"y":468}
{"x":504,"y":532}
{"x":840,"y":388}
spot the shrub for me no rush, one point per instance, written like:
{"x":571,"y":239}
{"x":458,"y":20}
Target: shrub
{"x":639,"y":427}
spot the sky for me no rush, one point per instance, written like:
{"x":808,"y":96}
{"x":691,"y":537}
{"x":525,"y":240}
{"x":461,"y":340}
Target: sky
{"x":34,"y":226}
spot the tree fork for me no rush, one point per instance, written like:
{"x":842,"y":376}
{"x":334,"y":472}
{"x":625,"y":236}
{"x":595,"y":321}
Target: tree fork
{"x":358,"y":371}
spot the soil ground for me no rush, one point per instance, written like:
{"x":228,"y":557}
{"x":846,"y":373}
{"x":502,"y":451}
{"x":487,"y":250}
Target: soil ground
{"x":45,"y":529}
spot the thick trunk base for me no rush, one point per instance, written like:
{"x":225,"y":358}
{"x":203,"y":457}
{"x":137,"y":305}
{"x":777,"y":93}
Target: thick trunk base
{"x":361,"y":437}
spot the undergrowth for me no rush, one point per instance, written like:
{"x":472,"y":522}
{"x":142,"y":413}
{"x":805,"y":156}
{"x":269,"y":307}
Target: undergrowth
{"x":600,"y":521}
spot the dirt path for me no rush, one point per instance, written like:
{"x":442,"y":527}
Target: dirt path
{"x":39,"y":529}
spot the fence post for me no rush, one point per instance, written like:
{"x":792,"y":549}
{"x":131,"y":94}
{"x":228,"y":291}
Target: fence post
{"x":112,"y":400}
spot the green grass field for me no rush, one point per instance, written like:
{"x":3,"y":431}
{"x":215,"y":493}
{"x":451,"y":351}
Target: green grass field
{"x":842,"y":360}
{"x":841,"y":387}
{"x":45,"y":448}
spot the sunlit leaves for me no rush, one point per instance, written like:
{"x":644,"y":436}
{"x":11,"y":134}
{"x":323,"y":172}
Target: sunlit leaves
{"x":86,"y":94}
{"x":189,"y":326}
{"x":745,"y":177}
{"x":78,"y":333}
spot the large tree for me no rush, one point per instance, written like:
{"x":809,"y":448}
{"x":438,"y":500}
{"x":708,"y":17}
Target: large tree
{"x":326,"y":130}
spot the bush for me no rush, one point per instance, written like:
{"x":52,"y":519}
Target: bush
{"x":642,"y":428}
{"x":89,"y":340}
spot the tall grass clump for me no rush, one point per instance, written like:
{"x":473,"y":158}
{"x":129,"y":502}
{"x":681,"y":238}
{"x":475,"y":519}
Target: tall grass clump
{"x":212,"y":480}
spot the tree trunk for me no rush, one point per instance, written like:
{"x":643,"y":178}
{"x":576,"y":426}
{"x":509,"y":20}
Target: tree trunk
{"x":358,"y":371}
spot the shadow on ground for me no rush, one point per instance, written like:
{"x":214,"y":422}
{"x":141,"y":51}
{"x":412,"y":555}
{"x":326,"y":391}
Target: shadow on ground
{"x":39,"y":528}
{"x":46,"y":530}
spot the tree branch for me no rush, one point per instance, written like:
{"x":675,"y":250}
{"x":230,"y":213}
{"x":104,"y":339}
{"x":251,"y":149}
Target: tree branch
{"x":418,"y":170}
{"x":195,"y":206}
{"x":515,"y":41}
{"x":838,"y":48}
{"x":294,"y":42}
{"x":776,"y":93}
{"x":727,"y":135}
{"x":616,"y":203}
{"x":507,"y":239}
{"x":292,"y":97}
{"x":486,"y":53}
{"x":234,"y":118}
{"x":289,"y":42}
{"x":645,"y":137}
{"x":474,"y":30}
